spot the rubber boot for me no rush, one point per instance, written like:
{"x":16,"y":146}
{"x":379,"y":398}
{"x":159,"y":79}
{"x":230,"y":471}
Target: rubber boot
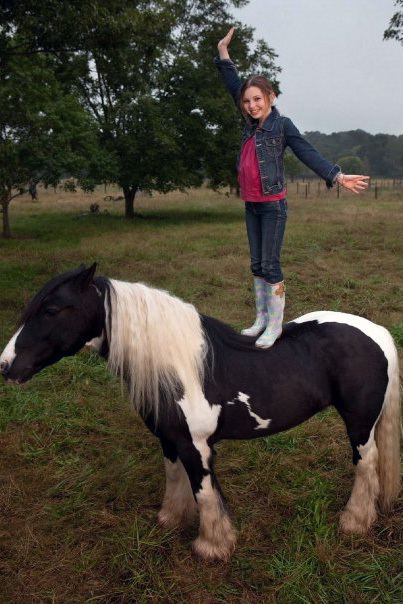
{"x":275,"y":310}
{"x":261,"y":308}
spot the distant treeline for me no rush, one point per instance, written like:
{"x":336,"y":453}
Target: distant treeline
{"x":358,"y":151}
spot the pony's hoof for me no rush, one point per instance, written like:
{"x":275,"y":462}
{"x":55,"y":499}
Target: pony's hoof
{"x":170,"y":521}
{"x":350,"y":523}
{"x":210,"y":551}
{"x":167,"y":520}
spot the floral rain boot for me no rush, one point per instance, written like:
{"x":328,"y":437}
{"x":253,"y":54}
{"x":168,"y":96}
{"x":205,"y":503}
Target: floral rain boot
{"x":261,"y":308}
{"x":275,"y":309}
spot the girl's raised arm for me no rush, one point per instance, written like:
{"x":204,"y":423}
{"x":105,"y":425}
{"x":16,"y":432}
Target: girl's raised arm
{"x":224,"y":43}
{"x":227,"y":68}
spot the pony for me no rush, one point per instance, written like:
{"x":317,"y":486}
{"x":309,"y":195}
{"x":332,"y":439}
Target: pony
{"x":195,"y":381}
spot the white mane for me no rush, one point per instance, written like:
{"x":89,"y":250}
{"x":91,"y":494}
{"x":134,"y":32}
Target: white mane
{"x":156,"y":343}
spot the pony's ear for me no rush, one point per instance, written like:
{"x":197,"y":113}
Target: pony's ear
{"x":86,"y":276}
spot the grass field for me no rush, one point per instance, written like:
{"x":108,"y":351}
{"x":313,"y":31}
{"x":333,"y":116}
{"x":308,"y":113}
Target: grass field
{"x":81,"y":479}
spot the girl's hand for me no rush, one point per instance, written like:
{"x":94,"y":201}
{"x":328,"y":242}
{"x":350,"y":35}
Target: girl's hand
{"x":353,"y":182}
{"x":224,"y":43}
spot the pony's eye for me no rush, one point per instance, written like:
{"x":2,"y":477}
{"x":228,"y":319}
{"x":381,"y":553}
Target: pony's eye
{"x":52,"y":310}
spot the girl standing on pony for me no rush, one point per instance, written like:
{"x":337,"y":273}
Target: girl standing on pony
{"x":261,"y":177}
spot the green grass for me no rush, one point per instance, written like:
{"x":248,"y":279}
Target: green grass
{"x":82,"y":479}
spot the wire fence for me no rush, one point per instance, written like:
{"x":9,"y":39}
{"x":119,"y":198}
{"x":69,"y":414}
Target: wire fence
{"x":309,"y":188}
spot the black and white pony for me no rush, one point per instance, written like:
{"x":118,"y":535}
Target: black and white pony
{"x":194,"y":381}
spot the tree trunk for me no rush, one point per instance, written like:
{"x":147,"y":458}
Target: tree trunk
{"x":129,"y":193}
{"x":235,"y":190}
{"x":6,"y":220}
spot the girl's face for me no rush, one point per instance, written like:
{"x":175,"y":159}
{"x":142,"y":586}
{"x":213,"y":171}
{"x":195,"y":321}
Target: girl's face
{"x":256,"y":104}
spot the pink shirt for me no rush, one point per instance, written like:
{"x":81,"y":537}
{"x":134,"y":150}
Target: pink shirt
{"x":249,"y":175}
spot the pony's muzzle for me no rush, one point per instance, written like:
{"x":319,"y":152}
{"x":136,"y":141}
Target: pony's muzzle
{"x":4,"y":368}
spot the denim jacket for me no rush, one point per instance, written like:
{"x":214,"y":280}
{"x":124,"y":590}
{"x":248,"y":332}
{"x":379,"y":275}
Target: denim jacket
{"x":273,"y":137}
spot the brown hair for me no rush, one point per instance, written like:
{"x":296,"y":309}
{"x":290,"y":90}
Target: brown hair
{"x":260,"y":82}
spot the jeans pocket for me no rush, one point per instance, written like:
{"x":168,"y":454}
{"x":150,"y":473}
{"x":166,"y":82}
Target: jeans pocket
{"x":269,"y":208}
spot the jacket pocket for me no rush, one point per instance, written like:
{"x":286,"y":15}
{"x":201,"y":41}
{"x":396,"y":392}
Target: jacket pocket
{"x":273,"y":145}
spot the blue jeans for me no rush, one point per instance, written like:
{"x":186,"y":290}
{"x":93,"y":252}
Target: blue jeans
{"x":265,"y":225}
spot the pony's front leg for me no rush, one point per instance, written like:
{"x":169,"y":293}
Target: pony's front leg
{"x":217,"y":536}
{"x":179,"y":506}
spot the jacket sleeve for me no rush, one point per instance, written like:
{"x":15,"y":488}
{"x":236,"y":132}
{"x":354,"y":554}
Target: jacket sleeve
{"x":230,"y":77}
{"x":308,"y":154}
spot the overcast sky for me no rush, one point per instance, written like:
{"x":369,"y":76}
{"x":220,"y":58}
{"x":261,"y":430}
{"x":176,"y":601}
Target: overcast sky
{"x":337,"y":72}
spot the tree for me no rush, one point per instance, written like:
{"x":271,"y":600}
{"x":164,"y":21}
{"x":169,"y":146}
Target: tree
{"x":220,"y":123}
{"x":381,"y":154}
{"x":351,"y":164}
{"x":143,"y":71}
{"x":395,"y":29}
{"x":44,"y":133}
{"x":292,"y":165}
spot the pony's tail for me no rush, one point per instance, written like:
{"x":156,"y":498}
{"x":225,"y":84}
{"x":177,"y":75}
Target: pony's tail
{"x":387,"y":437}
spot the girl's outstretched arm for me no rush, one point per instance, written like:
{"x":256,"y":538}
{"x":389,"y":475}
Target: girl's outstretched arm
{"x":311,"y":157}
{"x":353,"y":182}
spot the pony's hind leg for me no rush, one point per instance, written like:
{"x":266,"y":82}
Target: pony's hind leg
{"x":179,"y":506}
{"x":360,"y":511}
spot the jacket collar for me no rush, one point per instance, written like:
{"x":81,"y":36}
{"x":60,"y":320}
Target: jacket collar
{"x":269,"y":122}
